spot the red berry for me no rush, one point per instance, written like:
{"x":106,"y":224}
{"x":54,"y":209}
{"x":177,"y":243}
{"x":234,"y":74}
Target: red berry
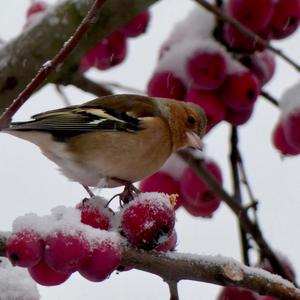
{"x":239,"y":42}
{"x":240,"y":90}
{"x":137,"y":26}
{"x":166,"y":85}
{"x":44,"y":275}
{"x":66,"y":252}
{"x":237,"y":117}
{"x":147,"y":219}
{"x":105,"y":257}
{"x":35,"y":8}
{"x":291,"y":127}
{"x":261,"y":64}
{"x":161,"y":182}
{"x":206,"y":69}
{"x":197,"y":198}
{"x":280,"y":142}
{"x":286,"y":18}
{"x":94,"y":213}
{"x":169,"y":244}
{"x":210,"y":102}
{"x":232,"y":293}
{"x":109,"y":52}
{"x":254,"y":14}
{"x":25,"y":248}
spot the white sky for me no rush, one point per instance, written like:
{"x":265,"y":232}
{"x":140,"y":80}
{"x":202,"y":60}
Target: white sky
{"x":30,"y":183}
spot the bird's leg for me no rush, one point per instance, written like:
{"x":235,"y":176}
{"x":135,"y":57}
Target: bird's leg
{"x":91,"y":194}
{"x":129,"y":191}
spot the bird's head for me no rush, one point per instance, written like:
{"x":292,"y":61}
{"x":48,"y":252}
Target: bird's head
{"x":187,"y":122}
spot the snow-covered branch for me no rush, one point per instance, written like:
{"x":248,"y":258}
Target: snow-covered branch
{"x":211,"y":269}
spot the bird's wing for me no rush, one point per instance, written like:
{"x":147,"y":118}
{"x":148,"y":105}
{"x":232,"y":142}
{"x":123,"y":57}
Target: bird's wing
{"x":105,"y":115}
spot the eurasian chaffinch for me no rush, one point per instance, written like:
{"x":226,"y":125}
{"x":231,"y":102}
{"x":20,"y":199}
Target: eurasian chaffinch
{"x":119,"y":138}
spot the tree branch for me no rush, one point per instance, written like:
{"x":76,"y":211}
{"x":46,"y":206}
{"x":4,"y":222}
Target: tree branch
{"x":173,"y":288}
{"x":250,"y":227}
{"x":173,"y":267}
{"x":21,"y":58}
{"x":90,"y":86}
{"x":246,"y":31}
{"x":217,"y":270}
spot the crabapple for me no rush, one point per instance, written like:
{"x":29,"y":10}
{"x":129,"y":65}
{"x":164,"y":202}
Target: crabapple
{"x":66,"y":252}
{"x":165,"y":84}
{"x":206,"y":69}
{"x":162,"y":182}
{"x":240,"y":90}
{"x":237,"y":117}
{"x":44,"y":275}
{"x":104,"y":258}
{"x":137,"y":26}
{"x":147,"y":219}
{"x":25,"y":248}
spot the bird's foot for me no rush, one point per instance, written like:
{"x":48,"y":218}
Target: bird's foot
{"x":128,"y":193}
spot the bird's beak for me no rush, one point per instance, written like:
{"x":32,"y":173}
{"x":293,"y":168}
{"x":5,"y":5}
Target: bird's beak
{"x":193,"y":140}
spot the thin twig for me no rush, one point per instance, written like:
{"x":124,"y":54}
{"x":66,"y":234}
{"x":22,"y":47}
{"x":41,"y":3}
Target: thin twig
{"x":234,"y":159}
{"x":49,"y":66}
{"x":269,"y":97}
{"x":63,"y":96}
{"x":90,"y":86}
{"x":123,"y":87}
{"x":173,"y":288}
{"x":246,"y":31}
{"x":252,"y":228}
{"x":99,"y":88}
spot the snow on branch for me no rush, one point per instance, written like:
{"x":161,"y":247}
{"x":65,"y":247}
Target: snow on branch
{"x":21,"y":58}
{"x":211,"y":269}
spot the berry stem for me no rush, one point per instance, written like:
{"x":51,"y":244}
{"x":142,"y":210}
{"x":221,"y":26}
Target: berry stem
{"x":62,"y":94}
{"x":51,"y":65}
{"x":243,"y":29}
{"x":235,"y":160}
{"x":269,"y":97}
{"x":173,"y":288}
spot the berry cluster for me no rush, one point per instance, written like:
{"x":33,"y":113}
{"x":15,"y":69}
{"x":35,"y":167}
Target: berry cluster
{"x":84,"y":239}
{"x":215,"y":65}
{"x":193,"y":194}
{"x":286,"y":135}
{"x":110,"y":51}
{"x":53,"y":247}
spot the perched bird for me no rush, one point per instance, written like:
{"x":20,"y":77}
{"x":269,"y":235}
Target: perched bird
{"x":117,"y":138}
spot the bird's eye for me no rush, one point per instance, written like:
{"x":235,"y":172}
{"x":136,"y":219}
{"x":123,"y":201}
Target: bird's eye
{"x":191,"y":120}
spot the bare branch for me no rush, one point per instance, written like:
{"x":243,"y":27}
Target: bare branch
{"x":237,"y":191}
{"x":246,"y":31}
{"x":173,"y":288}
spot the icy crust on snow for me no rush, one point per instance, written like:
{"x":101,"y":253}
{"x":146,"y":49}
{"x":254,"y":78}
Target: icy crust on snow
{"x":231,"y":267}
{"x":160,"y":200}
{"x":290,"y":100}
{"x":66,"y":220}
{"x":15,"y":283}
{"x":192,"y":35}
